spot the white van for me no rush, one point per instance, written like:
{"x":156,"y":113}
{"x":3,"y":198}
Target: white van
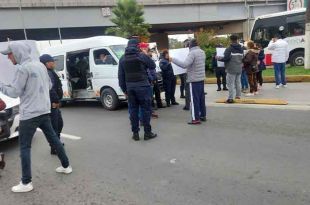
{"x":9,"y":118}
{"x":88,"y":69}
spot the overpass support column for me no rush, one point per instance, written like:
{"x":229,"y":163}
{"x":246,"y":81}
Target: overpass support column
{"x":161,"y":39}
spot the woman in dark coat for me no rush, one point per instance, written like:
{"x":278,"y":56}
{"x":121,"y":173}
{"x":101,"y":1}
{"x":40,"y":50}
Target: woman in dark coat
{"x":250,"y":66}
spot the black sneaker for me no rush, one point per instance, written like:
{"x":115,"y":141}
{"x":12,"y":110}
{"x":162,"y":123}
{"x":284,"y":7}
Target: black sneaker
{"x":182,"y":96}
{"x":185,"y":108}
{"x":225,"y":89}
{"x":219,"y":89}
{"x":175,"y":103}
{"x":203,"y":119}
{"x":136,"y":137}
{"x":230,"y":101}
{"x":149,"y":136}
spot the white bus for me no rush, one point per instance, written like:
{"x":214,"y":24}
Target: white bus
{"x":290,"y":24}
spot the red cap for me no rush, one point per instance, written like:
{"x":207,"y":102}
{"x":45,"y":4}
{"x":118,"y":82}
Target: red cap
{"x":143,"y":45}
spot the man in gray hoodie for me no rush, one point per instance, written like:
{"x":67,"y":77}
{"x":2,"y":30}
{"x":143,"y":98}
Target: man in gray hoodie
{"x":32,"y":85}
{"x":196,"y":73}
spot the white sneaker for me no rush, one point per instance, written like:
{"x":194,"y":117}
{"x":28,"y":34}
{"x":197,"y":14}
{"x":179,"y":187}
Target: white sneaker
{"x":278,"y":86}
{"x":22,"y":188}
{"x":249,"y":94}
{"x":285,"y":86}
{"x":67,"y":170}
{"x":256,"y":93}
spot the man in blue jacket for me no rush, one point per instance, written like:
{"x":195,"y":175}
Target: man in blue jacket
{"x":134,"y":82}
{"x":56,"y":94}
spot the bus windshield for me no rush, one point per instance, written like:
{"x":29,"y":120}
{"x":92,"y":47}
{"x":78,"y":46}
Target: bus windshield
{"x":286,"y":25}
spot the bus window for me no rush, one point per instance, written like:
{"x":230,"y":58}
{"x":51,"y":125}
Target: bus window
{"x":296,"y":25}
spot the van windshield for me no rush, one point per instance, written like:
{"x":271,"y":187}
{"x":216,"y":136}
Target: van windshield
{"x":118,"y":50}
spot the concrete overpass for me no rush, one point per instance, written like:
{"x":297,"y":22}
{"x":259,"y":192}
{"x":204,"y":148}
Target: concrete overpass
{"x":40,"y":19}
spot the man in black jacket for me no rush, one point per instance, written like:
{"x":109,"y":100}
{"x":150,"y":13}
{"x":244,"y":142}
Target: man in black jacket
{"x":134,"y":82}
{"x":56,"y":94}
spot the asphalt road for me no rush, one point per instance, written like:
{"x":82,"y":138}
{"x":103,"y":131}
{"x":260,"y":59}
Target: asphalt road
{"x":241,"y":156}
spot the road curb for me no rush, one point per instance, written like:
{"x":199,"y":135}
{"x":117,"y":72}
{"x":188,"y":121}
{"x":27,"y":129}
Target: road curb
{"x":269,"y":79}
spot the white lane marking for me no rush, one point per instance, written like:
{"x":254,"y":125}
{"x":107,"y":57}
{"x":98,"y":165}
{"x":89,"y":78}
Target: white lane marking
{"x":257,"y":106}
{"x":67,"y":136}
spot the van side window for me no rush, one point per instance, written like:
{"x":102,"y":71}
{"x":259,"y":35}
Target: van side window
{"x":103,"y":57}
{"x":59,"y":61}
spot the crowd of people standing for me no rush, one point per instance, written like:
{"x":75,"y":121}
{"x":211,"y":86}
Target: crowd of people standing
{"x":244,"y":66}
{"x":40,"y":96}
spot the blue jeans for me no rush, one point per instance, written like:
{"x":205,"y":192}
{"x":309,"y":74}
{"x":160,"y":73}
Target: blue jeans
{"x":244,"y":80}
{"x":140,"y":97}
{"x":27,"y":129}
{"x":279,"y":73}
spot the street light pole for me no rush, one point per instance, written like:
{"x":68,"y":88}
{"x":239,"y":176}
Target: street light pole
{"x":307,"y":46}
{"x":58,"y":22}
{"x":22,"y":19}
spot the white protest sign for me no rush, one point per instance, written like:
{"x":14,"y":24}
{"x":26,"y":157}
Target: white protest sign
{"x":179,"y":54}
{"x":220,"y":53}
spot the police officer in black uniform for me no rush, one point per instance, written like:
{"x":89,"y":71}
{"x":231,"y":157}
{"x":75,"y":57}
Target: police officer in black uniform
{"x":56,"y":94}
{"x":134,"y":82}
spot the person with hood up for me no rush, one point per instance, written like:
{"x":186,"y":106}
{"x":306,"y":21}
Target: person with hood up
{"x":233,"y":56}
{"x":134,"y":82}
{"x":56,"y":94}
{"x":169,"y":78}
{"x":32,"y":85}
{"x":250,"y":66}
{"x":196,"y":73}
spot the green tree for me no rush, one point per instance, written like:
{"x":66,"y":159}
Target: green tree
{"x":128,"y":19}
{"x":174,"y":43}
{"x":207,"y":40}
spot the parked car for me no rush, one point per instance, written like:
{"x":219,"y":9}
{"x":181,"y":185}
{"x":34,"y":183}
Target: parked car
{"x":9,"y":118}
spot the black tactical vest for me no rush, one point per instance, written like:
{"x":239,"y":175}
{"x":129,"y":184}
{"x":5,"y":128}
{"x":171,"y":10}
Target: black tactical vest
{"x":134,"y":69}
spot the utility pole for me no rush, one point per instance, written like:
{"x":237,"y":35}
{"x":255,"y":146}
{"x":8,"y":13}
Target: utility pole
{"x":307,"y":46}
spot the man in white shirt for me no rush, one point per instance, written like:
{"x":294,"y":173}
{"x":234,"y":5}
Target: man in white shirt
{"x":280,"y":55}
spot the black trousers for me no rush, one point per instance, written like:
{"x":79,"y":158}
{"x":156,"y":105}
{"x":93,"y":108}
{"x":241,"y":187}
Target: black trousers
{"x":169,"y":86}
{"x":140,"y":98}
{"x":221,"y":77}
{"x":187,"y":96}
{"x":259,"y":78}
{"x":183,"y":83}
{"x":57,"y":121}
{"x":156,"y":91}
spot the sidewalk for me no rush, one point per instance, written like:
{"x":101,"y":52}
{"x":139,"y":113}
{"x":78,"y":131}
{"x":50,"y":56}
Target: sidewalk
{"x":295,"y":94}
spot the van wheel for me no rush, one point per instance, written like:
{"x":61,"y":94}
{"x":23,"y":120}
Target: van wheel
{"x":297,"y":59}
{"x":109,"y":99}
